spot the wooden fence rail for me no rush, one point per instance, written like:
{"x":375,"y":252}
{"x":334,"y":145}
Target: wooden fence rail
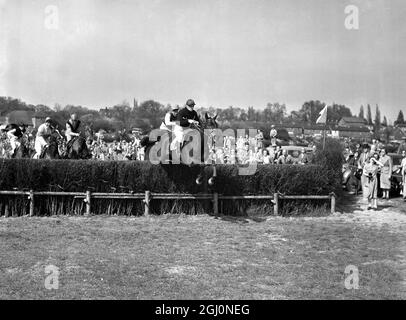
{"x":148,"y":196}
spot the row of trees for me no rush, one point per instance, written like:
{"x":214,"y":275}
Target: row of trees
{"x":149,"y":114}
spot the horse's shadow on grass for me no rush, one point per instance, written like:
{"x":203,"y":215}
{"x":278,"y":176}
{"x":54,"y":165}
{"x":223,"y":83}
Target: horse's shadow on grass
{"x":349,"y":203}
{"x":240,"y":219}
{"x":383,"y":207}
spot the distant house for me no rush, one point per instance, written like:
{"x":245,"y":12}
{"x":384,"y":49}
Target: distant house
{"x":306,"y":129}
{"x":401,"y":127}
{"x":311,"y":130}
{"x":22,"y":117}
{"x":293,"y":129}
{"x":396,"y":134}
{"x":361,"y":133}
{"x":352,"y":122}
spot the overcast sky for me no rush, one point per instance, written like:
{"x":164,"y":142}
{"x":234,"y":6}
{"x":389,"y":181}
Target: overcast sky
{"x":219,"y":52}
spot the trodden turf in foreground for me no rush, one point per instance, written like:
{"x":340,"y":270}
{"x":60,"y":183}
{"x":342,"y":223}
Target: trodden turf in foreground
{"x":203,"y":257}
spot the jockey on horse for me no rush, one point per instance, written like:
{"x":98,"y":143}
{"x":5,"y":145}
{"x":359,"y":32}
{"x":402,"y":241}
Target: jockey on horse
{"x":170,"y":119}
{"x":76,"y":145}
{"x":72,"y":130}
{"x":42,"y":139}
{"x":186,"y":118}
{"x":15,"y":134}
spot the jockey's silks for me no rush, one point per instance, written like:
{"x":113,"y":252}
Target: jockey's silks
{"x":74,"y":125}
{"x":185,"y":114}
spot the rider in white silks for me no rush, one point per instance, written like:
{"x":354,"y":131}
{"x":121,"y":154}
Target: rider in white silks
{"x":45,"y":130}
{"x":14,"y":135}
{"x":170,"y":119}
{"x":186,"y":117}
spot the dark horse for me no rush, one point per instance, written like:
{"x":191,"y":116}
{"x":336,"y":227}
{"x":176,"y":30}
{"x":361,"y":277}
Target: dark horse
{"x":51,"y":151}
{"x":208,"y":128}
{"x":21,"y":152}
{"x":208,"y":124}
{"x":77,"y":149}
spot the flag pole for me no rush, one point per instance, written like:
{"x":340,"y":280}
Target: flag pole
{"x":323,"y":119}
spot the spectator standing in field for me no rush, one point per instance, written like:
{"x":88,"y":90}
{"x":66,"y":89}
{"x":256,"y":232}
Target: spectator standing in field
{"x":347,"y":154}
{"x":272,"y":135}
{"x":358,"y":148}
{"x":259,"y":155}
{"x":373,"y":150}
{"x":363,"y":160}
{"x":303,"y":159}
{"x":284,"y":158}
{"x":370,"y":188}
{"x":278,"y":153}
{"x":260,"y":139}
{"x":271,"y":153}
{"x":386,"y":173}
{"x":266,"y":157}
{"x":403,"y":172}
{"x":354,"y":159}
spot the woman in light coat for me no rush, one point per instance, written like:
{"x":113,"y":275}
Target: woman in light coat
{"x":370,"y":188}
{"x":386,"y":173}
{"x":403,"y":166}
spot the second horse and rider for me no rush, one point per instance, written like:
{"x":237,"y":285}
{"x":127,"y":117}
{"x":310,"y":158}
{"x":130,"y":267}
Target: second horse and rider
{"x":45,"y":138}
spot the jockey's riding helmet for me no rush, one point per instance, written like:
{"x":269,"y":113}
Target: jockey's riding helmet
{"x":48,"y":119}
{"x":190,"y":103}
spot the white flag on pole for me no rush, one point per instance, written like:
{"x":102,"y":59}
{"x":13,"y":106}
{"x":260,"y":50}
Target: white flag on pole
{"x":322,"y":116}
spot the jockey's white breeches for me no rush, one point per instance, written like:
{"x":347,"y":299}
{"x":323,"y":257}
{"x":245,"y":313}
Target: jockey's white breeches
{"x":14,"y":142}
{"x":178,"y":136}
{"x":68,"y":137}
{"x":40,"y":143}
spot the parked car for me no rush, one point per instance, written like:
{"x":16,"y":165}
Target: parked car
{"x":396,"y":181}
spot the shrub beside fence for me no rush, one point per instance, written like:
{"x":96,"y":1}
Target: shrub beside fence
{"x":138,"y":177}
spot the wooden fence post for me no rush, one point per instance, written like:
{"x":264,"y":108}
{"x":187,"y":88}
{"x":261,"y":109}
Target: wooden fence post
{"x":276,"y":204}
{"x":88,"y":202}
{"x":333,"y":202}
{"x":146,"y":202}
{"x":31,"y":197}
{"x":216,"y":203}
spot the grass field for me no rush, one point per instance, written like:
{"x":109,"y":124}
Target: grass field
{"x":204,"y":257}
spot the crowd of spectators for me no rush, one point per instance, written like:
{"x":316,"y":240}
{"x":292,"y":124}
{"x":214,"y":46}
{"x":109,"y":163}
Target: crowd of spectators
{"x":245,"y":150}
{"x":242,"y":150}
